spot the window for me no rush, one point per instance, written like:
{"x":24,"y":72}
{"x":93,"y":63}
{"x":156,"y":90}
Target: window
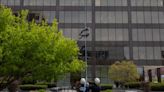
{"x":147,"y":34}
{"x":162,"y":34}
{"x":75,"y":17}
{"x":112,"y":35}
{"x":39,"y":2}
{"x":74,"y":34}
{"x":49,"y":16}
{"x":111,"y":17}
{"x":149,"y":53}
{"x":75,"y":2}
{"x":142,"y":52}
{"x":147,"y":17}
{"x":102,"y":54}
{"x":111,"y":2}
{"x":10,"y":2}
{"x":35,"y":16}
{"x":135,"y":53}
{"x":126,"y":53}
{"x":147,"y":2}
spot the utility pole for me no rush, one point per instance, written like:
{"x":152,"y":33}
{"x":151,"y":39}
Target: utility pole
{"x":85,"y":33}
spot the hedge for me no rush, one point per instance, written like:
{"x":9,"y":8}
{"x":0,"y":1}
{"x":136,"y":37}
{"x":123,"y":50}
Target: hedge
{"x":157,"y":86}
{"x":32,"y":87}
{"x":106,"y":86}
{"x":133,"y":85}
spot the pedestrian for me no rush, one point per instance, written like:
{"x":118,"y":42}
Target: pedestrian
{"x":95,"y":87}
{"x":82,"y":85}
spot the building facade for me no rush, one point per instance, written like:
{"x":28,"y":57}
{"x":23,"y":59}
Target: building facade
{"x":119,"y":29}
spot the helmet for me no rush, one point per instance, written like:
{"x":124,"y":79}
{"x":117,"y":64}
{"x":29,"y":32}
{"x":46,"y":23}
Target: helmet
{"x":82,"y":80}
{"x":97,"y":81}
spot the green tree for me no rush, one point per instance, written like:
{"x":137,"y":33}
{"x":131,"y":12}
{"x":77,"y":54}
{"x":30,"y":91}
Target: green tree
{"x":37,"y":50}
{"x":123,"y":71}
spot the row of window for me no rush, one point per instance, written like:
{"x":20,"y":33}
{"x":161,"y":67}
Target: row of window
{"x":147,"y":17}
{"x":75,"y":17}
{"x":74,"y":34}
{"x":84,"y":2}
{"x":148,"y":34}
{"x":118,"y":34}
{"x":147,"y":2}
{"x":101,"y":17}
{"x":112,"y":35}
{"x":111,"y":17}
{"x":147,"y":53}
{"x":104,"y":16}
{"x":139,"y":53}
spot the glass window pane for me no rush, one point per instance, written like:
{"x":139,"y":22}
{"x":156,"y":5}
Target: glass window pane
{"x":149,"y":53}
{"x":147,"y":2}
{"x":161,"y":17}
{"x":75,"y":34}
{"x":119,"y":35}
{"x":10,"y":2}
{"x":4,"y":2}
{"x":67,"y":33}
{"x":149,"y":34}
{"x":157,"y":53}
{"x":135,"y":53}
{"x":39,"y":2}
{"x":17,"y":2}
{"x":126,"y":35}
{"x":112,"y":34}
{"x":154,"y":2}
{"x":147,"y":17}
{"x":111,"y":2}
{"x":104,"y":35}
{"x":142,"y":53}
{"x":126,"y":52}
{"x":135,"y":34}
{"x":162,"y":34}
{"x":111,"y":17}
{"x":156,"y":35}
{"x":140,"y":17}
{"x":155,"y":18}
{"x":160,"y":2}
{"x":133,"y":2}
{"x":98,"y":34}
{"x":97,"y":3}
{"x":141,"y":35}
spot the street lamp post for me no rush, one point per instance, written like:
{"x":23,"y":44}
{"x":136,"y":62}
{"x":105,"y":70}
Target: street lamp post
{"x":85,"y":33}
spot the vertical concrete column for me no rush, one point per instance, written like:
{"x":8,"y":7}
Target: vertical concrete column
{"x":150,"y":75}
{"x":130,"y":29}
{"x":159,"y":74}
{"x":93,"y":62}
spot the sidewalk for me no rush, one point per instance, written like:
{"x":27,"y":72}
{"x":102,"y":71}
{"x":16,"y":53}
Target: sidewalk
{"x":126,"y":90}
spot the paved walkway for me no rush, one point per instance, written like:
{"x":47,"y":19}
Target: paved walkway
{"x":126,"y":90}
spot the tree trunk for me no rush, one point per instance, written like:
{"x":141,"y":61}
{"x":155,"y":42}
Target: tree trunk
{"x":14,"y":86}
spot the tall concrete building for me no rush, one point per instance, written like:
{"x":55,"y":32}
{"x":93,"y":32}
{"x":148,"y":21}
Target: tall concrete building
{"x":119,"y":29}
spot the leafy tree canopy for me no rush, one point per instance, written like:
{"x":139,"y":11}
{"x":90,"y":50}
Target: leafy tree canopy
{"x":31,"y":49}
{"x":123,"y":71}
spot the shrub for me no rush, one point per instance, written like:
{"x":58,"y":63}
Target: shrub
{"x":41,"y":90}
{"x":106,"y":86}
{"x":133,"y":85}
{"x":32,"y":87}
{"x":157,"y":86}
{"x":49,"y":85}
{"x":107,"y":91}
